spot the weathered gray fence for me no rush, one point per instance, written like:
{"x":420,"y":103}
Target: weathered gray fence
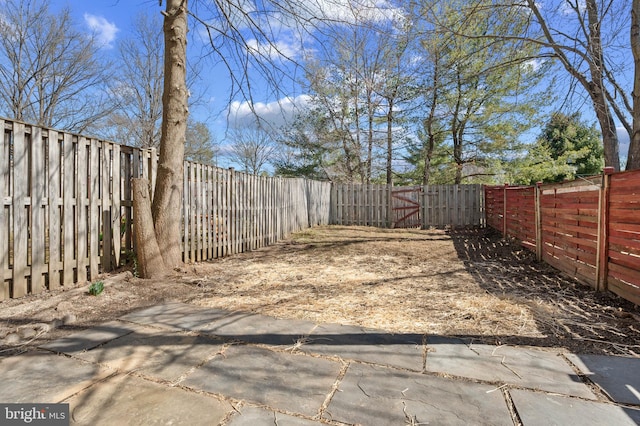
{"x":66,"y":208}
{"x":386,"y":206}
{"x":228,"y":212}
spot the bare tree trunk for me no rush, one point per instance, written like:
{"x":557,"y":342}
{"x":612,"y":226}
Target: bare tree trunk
{"x":633,"y":160}
{"x":150,"y":263}
{"x":596,"y":90}
{"x":167,"y":201}
{"x":593,"y":85}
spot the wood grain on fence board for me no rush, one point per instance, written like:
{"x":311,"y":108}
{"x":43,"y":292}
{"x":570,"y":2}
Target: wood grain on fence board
{"x":5,"y":206}
{"x":38,"y":210}
{"x":20,"y":218}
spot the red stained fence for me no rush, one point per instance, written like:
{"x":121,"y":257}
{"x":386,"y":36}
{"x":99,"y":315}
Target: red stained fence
{"x":588,"y":228}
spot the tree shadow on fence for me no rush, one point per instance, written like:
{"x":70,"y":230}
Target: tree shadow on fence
{"x":566,"y":312}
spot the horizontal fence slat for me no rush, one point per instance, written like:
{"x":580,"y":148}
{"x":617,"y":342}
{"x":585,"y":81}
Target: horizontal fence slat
{"x":584,"y":227}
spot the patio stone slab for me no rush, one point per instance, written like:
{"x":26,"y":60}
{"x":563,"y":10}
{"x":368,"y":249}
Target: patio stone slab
{"x":253,"y":416}
{"x":148,"y":351}
{"x":373,"y":395}
{"x":613,"y":375}
{"x":281,"y":380}
{"x":255,"y":328}
{"x":525,"y":367}
{"x":90,"y":338}
{"x":43,"y":377}
{"x":361,"y":344}
{"x":176,"y":316}
{"x":536,"y":408}
{"x":128,"y":400}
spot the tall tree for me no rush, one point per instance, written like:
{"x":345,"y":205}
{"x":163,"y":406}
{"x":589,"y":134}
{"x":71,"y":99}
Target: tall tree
{"x":361,"y":80}
{"x":136,"y":122}
{"x":488,"y":89}
{"x":252,"y":149}
{"x":167,"y":201}
{"x":51,"y":73}
{"x":241,"y":33}
{"x":571,"y":140}
{"x":307,"y":148}
{"x":633,"y":157}
{"x":200,"y":145}
{"x":566,"y":147}
{"x":581,"y":53}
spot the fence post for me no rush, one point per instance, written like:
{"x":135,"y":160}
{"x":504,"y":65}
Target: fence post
{"x":602,"y":253}
{"x":538,"y":201}
{"x":504,"y":210}
{"x":390,"y":206}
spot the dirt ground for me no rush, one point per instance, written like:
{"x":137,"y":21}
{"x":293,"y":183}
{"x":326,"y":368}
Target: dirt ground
{"x":467,"y":283}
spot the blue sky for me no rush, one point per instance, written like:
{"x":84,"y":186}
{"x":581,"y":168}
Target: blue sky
{"x":112,"y":21}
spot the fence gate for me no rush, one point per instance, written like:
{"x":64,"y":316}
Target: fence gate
{"x":406,"y":207}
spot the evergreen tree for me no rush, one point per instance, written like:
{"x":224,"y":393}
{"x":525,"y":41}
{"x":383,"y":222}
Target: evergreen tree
{"x":567,"y":147}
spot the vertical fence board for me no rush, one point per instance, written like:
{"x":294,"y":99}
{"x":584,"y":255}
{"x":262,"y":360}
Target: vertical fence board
{"x":68,"y":210}
{"x":107,"y":247}
{"x":82,"y":214}
{"x":128,"y":168}
{"x":116,"y":204}
{"x":54,"y":209}
{"x":38,"y":232}
{"x":193,"y":213}
{"x":94,"y":210}
{"x":20,"y":218}
{"x":186,"y":211}
{"x":5,"y":205}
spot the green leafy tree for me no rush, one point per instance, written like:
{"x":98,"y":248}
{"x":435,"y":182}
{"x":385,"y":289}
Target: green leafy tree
{"x":572,"y":141}
{"x":567,"y":147}
{"x":486,"y":93}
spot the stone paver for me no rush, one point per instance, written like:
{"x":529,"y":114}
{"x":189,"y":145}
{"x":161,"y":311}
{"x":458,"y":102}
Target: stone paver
{"x":373,"y":346}
{"x":253,"y":416}
{"x":526,"y":367}
{"x":176,"y":316}
{"x":43,"y":377}
{"x":535,"y":408}
{"x":254,"y":328}
{"x":129,"y":400}
{"x":613,"y":375}
{"x":177,"y":364}
{"x":373,"y":395}
{"x":87,"y":339}
{"x":281,"y":380}
{"x":154,"y":353}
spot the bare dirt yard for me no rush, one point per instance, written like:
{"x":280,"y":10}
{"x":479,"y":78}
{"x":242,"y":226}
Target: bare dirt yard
{"x":468,"y":283}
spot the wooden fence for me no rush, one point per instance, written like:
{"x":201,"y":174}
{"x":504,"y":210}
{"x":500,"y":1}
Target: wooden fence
{"x":66,"y":209}
{"x":439,"y":205}
{"x":227,"y":212}
{"x":588,"y":228}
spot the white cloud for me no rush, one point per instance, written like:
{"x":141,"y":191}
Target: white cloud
{"x":534,"y":64}
{"x":570,"y":8}
{"x":351,"y":11}
{"x":274,"y":114}
{"x":274,"y":51}
{"x":103,"y":29}
{"x":623,"y":140}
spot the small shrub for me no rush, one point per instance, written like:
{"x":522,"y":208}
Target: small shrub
{"x":96,"y":288}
